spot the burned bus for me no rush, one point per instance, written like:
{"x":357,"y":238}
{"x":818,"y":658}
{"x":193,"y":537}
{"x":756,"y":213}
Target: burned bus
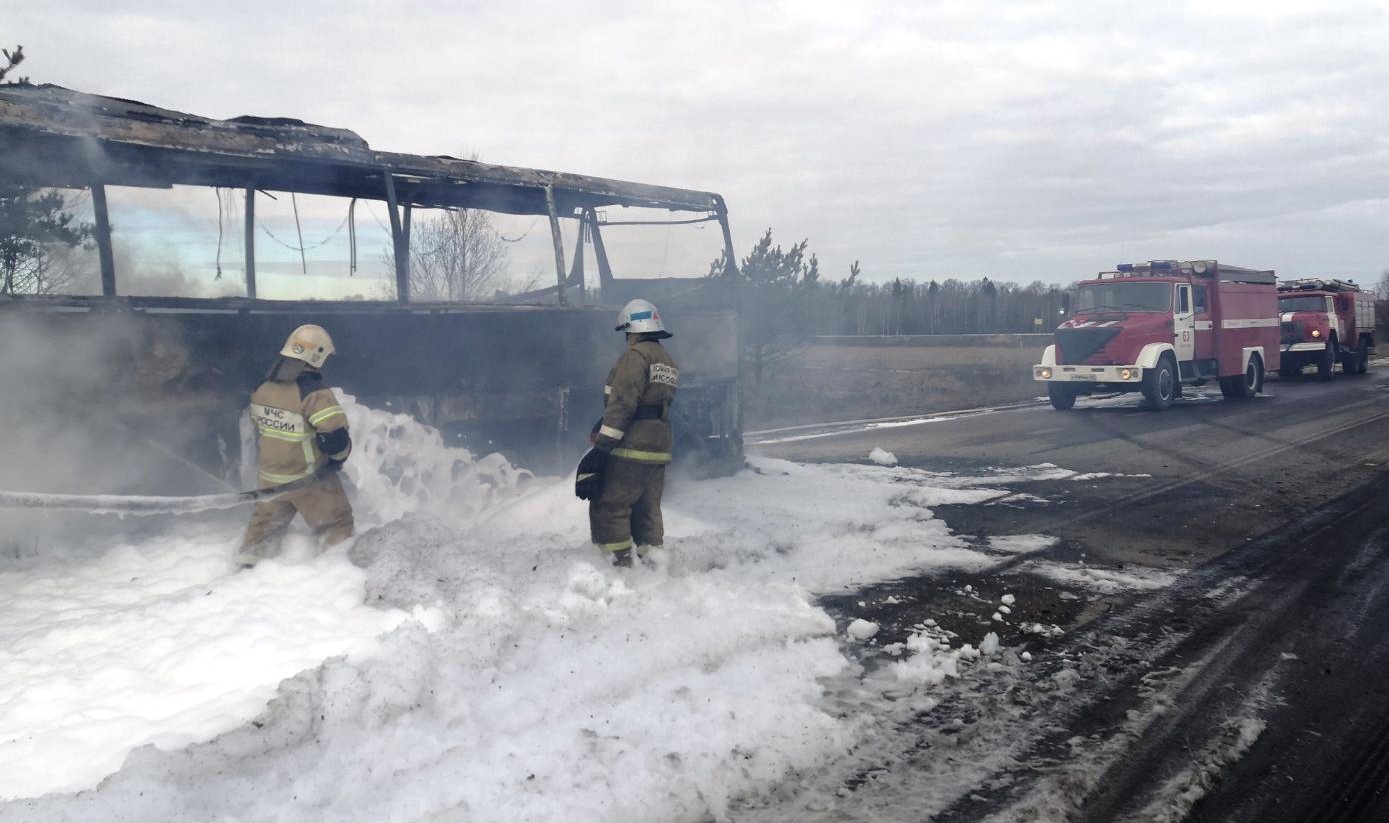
{"x":519,"y":373}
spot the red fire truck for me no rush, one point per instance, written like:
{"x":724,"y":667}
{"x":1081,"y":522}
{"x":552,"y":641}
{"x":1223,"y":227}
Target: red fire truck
{"x":1154,"y":327}
{"x":1325,"y":321}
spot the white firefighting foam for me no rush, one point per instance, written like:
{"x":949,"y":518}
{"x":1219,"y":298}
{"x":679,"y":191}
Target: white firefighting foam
{"x":399,"y":467}
{"x":157,"y":644}
{"x":534,"y":682}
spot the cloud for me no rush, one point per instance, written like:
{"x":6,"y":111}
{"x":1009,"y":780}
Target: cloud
{"x":1024,"y":140}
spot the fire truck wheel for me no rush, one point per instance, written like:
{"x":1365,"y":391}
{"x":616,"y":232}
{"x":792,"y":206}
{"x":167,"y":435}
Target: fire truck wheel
{"x":1362,"y":357}
{"x":1238,"y":387}
{"x":1063,"y":397}
{"x":1326,"y":361}
{"x":1350,"y":360}
{"x":1160,"y":384}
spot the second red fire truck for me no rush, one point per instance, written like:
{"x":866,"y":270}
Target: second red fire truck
{"x":1155,"y":327}
{"x":1325,"y":321}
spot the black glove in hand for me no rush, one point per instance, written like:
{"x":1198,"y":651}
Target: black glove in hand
{"x":336,"y":441}
{"x":589,"y":479}
{"x":333,"y":466}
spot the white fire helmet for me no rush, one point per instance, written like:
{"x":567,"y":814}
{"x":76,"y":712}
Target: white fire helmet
{"x":309,"y":343}
{"x":640,"y":317}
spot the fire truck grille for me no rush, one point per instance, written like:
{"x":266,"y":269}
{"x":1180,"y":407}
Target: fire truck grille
{"x":1292,"y":332}
{"x":1078,"y":345}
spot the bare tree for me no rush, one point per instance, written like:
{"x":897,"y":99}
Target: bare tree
{"x":1383,"y":288}
{"x":456,"y":256}
{"x":58,"y":269}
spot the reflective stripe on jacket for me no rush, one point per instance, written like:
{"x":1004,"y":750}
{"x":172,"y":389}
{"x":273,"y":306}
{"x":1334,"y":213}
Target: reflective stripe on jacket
{"x":645,"y":376}
{"x":287,"y":416}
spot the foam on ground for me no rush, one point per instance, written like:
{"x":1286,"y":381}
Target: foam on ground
{"x":158,"y":644}
{"x":523,"y":678}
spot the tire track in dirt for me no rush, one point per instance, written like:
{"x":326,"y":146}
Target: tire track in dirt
{"x":1133,"y":757}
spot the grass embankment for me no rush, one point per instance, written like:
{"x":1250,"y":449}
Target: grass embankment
{"x":830,"y":381}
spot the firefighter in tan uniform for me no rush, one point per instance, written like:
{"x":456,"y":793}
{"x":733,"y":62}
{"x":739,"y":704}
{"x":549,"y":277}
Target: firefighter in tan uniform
{"x":300,"y":430}
{"x":624,"y":475}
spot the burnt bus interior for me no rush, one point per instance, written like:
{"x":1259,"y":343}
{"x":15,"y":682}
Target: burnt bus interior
{"x":524,"y":377}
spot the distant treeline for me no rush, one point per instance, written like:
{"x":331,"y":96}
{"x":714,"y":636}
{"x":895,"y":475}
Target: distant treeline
{"x":909,"y":307}
{"x":783,"y":295}
{"x":784,"y":301}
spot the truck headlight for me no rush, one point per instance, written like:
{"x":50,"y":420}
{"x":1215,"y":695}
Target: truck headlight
{"x":1126,"y":374}
{"x":1316,"y":332}
{"x":1044,"y":373}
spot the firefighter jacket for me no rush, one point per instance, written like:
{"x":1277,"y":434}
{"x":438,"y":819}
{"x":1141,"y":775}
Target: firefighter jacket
{"x":636,"y":409}
{"x":299,"y":426}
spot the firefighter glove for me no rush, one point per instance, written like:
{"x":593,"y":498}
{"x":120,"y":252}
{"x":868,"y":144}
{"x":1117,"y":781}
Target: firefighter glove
{"x":334,"y":443}
{"x":589,"y":479}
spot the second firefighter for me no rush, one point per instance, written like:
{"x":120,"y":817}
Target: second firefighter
{"x":624,"y":476}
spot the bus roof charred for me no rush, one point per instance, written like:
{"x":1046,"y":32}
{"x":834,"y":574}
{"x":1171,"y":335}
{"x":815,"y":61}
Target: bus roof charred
{"x":53,"y":136}
{"x":48,"y":134}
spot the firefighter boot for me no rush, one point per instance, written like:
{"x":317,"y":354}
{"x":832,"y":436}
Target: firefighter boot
{"x":267,"y":528}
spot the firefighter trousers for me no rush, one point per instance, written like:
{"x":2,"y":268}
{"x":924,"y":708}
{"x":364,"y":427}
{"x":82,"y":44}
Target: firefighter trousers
{"x":323,"y":506}
{"x":628,"y":508}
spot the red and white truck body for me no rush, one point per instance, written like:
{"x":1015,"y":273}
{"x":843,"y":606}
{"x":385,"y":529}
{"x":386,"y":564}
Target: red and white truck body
{"x":1324,"y":321}
{"x":1154,"y":327}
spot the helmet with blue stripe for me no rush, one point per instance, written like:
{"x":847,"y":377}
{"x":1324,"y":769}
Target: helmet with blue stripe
{"x":310,"y":344}
{"x":641,"y":317}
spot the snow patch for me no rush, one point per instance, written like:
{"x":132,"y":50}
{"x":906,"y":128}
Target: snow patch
{"x":862,"y":630}
{"x":930,"y":662}
{"x":1021,"y":543}
{"x":1042,"y":629}
{"x":1106,"y":581}
{"x":897,"y":424}
{"x":1014,"y":500}
{"x":1181,"y":793}
{"x":882,"y":457}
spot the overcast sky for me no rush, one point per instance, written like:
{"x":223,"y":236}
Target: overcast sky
{"x":1016,"y":140}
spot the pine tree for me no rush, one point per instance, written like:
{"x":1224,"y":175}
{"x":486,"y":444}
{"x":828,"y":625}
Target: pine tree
{"x":775,"y":297}
{"x":12,"y":61}
{"x":33,"y":220}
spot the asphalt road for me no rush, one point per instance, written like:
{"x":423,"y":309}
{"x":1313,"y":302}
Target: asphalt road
{"x":1218,"y":472}
{"x":1258,"y":679}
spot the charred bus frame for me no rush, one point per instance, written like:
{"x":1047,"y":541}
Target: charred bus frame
{"x":51,"y":136}
{"x":55,"y":137}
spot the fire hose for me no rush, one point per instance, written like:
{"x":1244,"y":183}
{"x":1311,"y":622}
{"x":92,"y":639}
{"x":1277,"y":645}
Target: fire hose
{"x":146,"y":504}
